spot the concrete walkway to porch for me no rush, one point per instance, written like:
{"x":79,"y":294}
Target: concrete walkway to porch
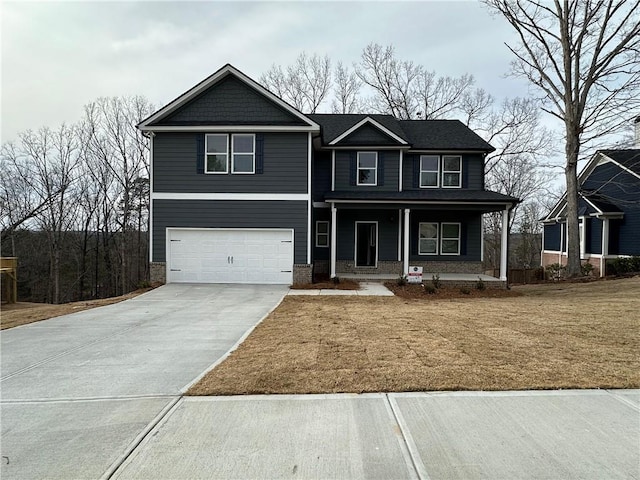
{"x":366,"y":289}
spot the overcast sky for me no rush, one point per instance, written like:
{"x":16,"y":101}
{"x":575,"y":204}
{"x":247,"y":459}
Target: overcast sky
{"x":58,"y":56}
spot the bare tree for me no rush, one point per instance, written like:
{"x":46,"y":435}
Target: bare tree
{"x":584,"y":58}
{"x":305,"y":84}
{"x":346,"y":91}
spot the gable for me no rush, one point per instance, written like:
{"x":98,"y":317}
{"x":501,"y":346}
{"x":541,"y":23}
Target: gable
{"x":368,"y":134}
{"x":613,"y":184}
{"x":230,"y":102}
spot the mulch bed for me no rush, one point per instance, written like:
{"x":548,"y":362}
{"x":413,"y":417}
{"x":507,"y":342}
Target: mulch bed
{"x":420,"y":292}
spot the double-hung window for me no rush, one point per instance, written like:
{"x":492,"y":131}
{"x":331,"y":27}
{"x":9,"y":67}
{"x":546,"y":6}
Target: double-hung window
{"x":451,"y":171}
{"x":322,"y":234}
{"x":217,"y":156}
{"x":428,"y":241}
{"x":429,"y":171}
{"x":367,"y":168}
{"x":243,"y":153}
{"x":450,"y":239}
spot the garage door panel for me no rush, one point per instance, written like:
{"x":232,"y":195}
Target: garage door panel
{"x":230,"y":256}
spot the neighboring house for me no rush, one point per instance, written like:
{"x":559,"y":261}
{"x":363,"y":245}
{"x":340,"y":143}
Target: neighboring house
{"x":246,"y":189}
{"x":608,"y":212}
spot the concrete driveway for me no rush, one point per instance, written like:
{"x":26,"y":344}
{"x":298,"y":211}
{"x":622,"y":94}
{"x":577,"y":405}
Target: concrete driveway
{"x":78,"y":391}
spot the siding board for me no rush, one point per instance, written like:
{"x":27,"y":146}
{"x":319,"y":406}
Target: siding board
{"x":285,"y":166}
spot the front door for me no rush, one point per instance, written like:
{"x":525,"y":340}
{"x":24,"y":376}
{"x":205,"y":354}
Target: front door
{"x":366,"y":244}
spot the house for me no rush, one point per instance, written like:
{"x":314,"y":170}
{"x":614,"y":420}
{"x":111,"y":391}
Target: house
{"x":608,"y":211}
{"x":246,"y":189}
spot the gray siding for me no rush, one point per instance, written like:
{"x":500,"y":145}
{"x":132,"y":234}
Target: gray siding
{"x":321,"y":176}
{"x":285,"y":166}
{"x":230,"y":101}
{"x":470,"y":235}
{"x":229,"y":214}
{"x":472,"y":171}
{"x":368,"y":135}
{"x":391,"y":172}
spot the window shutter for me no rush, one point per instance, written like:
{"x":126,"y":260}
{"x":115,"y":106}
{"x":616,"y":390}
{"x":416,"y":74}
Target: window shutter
{"x":259,"y":153}
{"x":200,"y":153}
{"x":465,"y":176}
{"x":381,"y":169}
{"x":353,"y":169}
{"x":463,"y":238}
{"x":416,"y":171}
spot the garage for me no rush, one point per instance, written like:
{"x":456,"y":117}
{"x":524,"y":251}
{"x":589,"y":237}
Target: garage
{"x":209,"y":255}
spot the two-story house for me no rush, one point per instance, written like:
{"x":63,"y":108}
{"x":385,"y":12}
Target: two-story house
{"x":608,"y":211}
{"x":246,"y":189}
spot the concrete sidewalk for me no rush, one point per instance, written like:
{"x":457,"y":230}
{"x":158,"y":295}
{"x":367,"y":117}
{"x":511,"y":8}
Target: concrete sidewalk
{"x":366,"y":289}
{"x":534,"y":434}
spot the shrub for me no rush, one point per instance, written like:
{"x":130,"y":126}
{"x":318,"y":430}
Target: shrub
{"x":539,"y":273}
{"x":480,"y":285}
{"x":335,"y":280}
{"x":144,"y":284}
{"x":555,"y":271}
{"x":435,"y":280}
{"x":430,"y":289}
{"x":586,"y":269}
{"x":620,"y":266}
{"x":401,"y":281}
{"x":465,"y":291}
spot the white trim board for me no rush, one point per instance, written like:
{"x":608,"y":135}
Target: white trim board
{"x":229,"y":128}
{"x":370,"y":120}
{"x":230,"y":196}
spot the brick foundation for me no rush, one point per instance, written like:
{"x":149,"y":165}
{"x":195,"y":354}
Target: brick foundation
{"x":158,"y":272}
{"x":302,"y":273}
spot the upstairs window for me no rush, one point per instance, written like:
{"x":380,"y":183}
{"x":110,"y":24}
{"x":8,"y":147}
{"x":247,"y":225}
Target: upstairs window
{"x":243,"y":153}
{"x":367,"y":168}
{"x":217,"y":156}
{"x":428,"y":240}
{"x":429,"y":171}
{"x":451,"y":171}
{"x":450,"y":241}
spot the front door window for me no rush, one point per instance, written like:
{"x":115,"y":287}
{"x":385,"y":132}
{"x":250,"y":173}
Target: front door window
{"x":366,"y":244}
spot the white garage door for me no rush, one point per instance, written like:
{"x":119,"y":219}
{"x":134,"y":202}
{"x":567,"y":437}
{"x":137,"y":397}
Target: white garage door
{"x":230,"y":256}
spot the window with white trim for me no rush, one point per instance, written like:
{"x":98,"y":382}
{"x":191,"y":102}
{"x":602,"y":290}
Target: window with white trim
{"x":322,"y":233}
{"x":451,"y":171}
{"x":367,"y":173}
{"x":217,"y":153}
{"x":450,"y":239}
{"x":428,"y":239}
{"x":243,"y":153}
{"x":429,"y":171}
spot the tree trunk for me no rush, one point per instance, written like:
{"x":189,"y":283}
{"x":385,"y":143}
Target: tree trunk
{"x":573,"y":232}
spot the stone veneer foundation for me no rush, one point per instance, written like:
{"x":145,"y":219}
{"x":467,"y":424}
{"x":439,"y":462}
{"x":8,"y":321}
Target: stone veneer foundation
{"x":395,"y":268}
{"x":158,"y":272}
{"x":302,"y":273}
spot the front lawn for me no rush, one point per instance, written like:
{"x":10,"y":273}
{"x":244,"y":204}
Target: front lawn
{"x":567,"y":335}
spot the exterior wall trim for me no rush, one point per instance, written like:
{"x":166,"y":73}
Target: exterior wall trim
{"x":151,"y":135}
{"x":229,"y":128}
{"x":309,"y":199}
{"x":230,"y":196}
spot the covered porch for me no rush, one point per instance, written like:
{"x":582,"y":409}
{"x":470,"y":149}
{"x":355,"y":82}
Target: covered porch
{"x":380,"y":240}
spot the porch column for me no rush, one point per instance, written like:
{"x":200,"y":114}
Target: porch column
{"x":605,"y":246}
{"x":334,"y":246}
{"x":503,"y":245}
{"x":406,"y":241}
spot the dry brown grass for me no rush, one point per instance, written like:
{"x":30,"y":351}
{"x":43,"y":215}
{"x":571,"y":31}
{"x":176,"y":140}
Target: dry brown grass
{"x":22,"y":313}
{"x":553,"y":336}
